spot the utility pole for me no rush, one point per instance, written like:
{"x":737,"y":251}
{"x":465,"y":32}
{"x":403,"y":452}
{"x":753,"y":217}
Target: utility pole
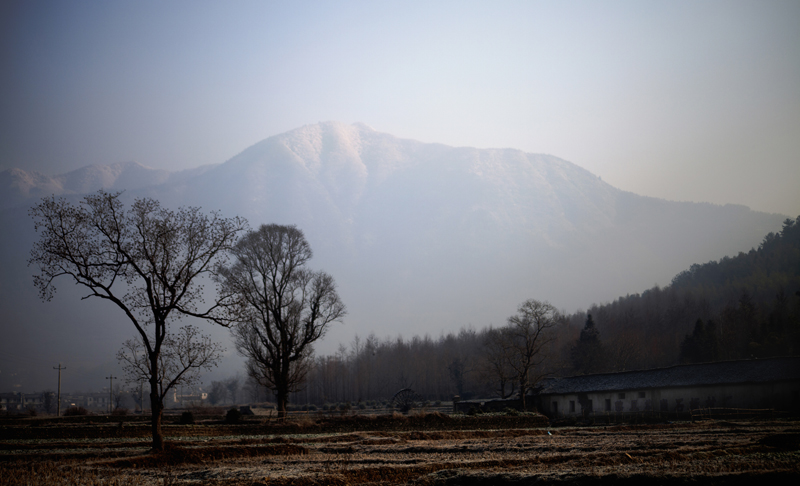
{"x":110,"y":392}
{"x":58,"y":403}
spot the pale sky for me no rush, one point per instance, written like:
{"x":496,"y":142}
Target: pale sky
{"x":684,"y":100}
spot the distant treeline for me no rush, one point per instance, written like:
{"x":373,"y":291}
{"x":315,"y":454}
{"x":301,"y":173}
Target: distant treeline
{"x":747,"y":306}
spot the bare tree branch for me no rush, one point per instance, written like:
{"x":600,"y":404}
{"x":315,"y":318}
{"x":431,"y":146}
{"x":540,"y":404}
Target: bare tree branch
{"x":147,"y":260}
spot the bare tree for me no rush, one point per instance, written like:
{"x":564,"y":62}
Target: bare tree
{"x":526,"y":337}
{"x":118,"y":397}
{"x":457,"y":370}
{"x":48,"y":401}
{"x":137,"y":395}
{"x":284,"y":307}
{"x":217,"y":393}
{"x":255,"y":392}
{"x":232,"y":385}
{"x":147,"y":260}
{"x":497,"y":363}
{"x":183,"y":355}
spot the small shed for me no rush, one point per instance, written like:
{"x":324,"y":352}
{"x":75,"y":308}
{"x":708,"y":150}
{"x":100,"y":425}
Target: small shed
{"x":772,"y":383}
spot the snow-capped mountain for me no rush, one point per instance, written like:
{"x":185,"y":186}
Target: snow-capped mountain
{"x":421,"y":238}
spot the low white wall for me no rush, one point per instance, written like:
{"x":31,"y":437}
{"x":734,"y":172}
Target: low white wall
{"x":779,"y":396}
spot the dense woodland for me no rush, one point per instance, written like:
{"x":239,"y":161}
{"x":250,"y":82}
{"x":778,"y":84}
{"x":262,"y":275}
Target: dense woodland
{"x":747,"y":306}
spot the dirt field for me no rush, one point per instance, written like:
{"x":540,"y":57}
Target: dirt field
{"x":424,"y":450}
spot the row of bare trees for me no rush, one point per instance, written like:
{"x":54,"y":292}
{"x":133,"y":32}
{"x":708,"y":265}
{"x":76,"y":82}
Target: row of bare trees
{"x":489,"y":362}
{"x":152,"y":263}
{"x":660,"y":327}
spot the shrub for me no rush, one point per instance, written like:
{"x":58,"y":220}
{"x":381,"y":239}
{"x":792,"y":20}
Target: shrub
{"x":399,"y":416}
{"x":120,"y":412}
{"x":75,"y":411}
{"x":187,"y":418}
{"x":511,"y":411}
{"x":233,"y":416}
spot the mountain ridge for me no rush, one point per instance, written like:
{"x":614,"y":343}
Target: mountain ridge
{"x":18,"y":185}
{"x":421,"y":238}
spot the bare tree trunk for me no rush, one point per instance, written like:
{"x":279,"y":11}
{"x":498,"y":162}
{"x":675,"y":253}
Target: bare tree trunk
{"x":156,"y":410}
{"x":282,"y":397}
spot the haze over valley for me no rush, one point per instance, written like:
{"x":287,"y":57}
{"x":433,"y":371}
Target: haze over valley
{"x":421,"y":238}
{"x":445,"y":160}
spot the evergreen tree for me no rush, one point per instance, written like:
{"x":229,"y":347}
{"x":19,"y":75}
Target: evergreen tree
{"x":701,"y":346}
{"x":588,"y":353}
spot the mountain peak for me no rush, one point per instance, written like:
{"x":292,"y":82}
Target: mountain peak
{"x":421,"y":237}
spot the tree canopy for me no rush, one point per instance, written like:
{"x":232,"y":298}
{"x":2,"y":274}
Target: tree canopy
{"x":283,"y":307}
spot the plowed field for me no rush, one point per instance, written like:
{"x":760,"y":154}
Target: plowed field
{"x":438,"y":451}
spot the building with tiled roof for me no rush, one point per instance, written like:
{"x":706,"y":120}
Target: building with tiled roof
{"x":772,"y":383}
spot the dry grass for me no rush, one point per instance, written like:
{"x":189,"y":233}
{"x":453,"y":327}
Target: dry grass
{"x":429,"y":453}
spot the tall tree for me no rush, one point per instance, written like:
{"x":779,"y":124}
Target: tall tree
{"x":457,"y":369}
{"x":527,"y":335}
{"x":146,"y":260}
{"x":283,"y":307}
{"x":701,"y":345}
{"x":497,"y":362}
{"x":232,"y":386}
{"x":587,"y":353}
{"x":217,"y":393}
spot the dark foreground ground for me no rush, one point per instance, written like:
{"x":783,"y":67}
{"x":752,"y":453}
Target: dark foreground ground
{"x":422,"y":450}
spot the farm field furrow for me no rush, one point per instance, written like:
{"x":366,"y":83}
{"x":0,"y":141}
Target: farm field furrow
{"x":677,"y":453}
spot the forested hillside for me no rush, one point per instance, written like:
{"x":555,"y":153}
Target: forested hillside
{"x":747,"y":306}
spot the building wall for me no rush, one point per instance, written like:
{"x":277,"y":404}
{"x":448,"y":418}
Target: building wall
{"x":490,"y":405}
{"x":780,"y":396}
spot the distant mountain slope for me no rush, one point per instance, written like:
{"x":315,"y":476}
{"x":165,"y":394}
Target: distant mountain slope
{"x":371,"y":202}
{"x":737,"y":307}
{"x":762,"y":272}
{"x":358,"y":178}
{"x":18,"y":186}
{"x":420,"y":238}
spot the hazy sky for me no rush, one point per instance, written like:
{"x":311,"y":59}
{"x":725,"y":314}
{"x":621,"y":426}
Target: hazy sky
{"x":694,"y":100}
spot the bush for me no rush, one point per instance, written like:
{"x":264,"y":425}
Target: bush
{"x":233,"y":416}
{"x":187,"y":418}
{"x":120,"y":412}
{"x":75,"y":411}
{"x":511,"y":411}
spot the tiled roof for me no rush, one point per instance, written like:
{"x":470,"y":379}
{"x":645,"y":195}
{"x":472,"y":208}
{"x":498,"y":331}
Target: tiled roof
{"x":719,"y":373}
